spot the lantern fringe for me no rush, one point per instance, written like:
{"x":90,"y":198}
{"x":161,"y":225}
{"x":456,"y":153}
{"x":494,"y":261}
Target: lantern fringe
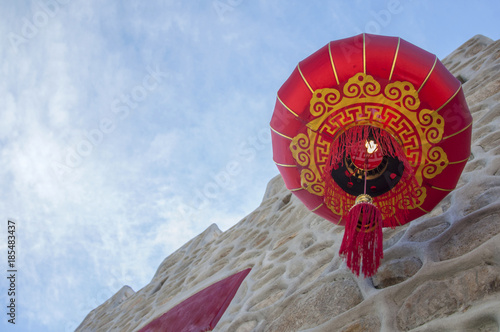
{"x":352,"y":142}
{"x":362,"y":245}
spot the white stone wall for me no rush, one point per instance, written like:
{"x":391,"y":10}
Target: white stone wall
{"x":441,"y":272}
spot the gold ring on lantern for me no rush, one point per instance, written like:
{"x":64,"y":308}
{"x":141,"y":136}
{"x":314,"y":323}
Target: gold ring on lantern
{"x":364,"y":198}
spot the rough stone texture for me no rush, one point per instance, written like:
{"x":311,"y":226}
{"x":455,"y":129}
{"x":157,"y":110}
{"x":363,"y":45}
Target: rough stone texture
{"x":440,"y":298}
{"x":365,"y":324}
{"x":396,"y":271}
{"x":439,"y":273}
{"x":314,"y":306}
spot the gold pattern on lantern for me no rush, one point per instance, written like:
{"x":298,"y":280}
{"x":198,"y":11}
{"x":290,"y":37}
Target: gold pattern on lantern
{"x":394,"y":107}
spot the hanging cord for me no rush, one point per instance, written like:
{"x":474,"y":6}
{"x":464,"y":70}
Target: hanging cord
{"x":366,"y":166}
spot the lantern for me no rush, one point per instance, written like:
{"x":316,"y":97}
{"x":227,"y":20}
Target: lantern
{"x":370,"y":132}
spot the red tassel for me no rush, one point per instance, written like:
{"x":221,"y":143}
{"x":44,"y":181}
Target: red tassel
{"x":363,"y":241}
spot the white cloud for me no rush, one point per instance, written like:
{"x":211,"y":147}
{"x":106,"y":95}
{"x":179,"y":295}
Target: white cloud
{"x":160,"y":149}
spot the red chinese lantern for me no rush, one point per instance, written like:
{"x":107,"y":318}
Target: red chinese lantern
{"x":370,"y":132}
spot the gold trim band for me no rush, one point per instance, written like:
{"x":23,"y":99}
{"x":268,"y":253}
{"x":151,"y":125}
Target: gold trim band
{"x":458,"y":162}
{"x":284,"y":165}
{"x":428,"y":75}
{"x":458,"y":132}
{"x":282,"y":135}
{"x":442,"y":189}
{"x":317,"y":207}
{"x":422,"y":209}
{"x":303,"y":78}
{"x":288,"y":108}
{"x":456,"y":92}
{"x":364,"y":55}
{"x":333,"y":65}
{"x":394,"y":61}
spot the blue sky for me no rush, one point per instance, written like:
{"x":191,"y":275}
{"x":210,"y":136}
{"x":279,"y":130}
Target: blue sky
{"x":127,"y":128}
